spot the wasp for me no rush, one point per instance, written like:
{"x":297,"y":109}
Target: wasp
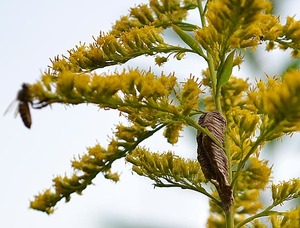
{"x":23,"y":107}
{"x":23,"y":99}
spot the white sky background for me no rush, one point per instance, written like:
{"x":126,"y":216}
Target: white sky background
{"x":31,"y":33}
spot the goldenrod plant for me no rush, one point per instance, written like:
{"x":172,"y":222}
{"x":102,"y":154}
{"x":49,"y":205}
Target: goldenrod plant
{"x":233,"y":118}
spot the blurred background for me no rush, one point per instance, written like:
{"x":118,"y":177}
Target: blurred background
{"x":34,"y":31}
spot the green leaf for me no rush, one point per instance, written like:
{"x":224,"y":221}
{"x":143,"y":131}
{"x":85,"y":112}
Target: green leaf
{"x":190,"y":41}
{"x":226,"y":70}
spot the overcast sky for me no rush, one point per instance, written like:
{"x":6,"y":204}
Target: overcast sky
{"x":31,"y":33}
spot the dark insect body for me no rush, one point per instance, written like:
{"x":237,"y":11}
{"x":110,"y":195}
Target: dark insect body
{"x":23,"y":108}
{"x":24,"y":99}
{"x":212,"y":158}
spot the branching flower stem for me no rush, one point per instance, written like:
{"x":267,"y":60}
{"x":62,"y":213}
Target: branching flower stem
{"x":188,"y":186}
{"x":257,"y":143}
{"x":212,"y":72}
{"x":263,"y":213}
{"x":242,"y":163}
{"x":216,"y":95}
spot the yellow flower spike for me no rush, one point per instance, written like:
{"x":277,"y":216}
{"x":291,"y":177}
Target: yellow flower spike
{"x":172,"y":132}
{"x":112,"y":176}
{"x":48,"y":81}
{"x":128,"y":43}
{"x":245,"y":121}
{"x":96,"y":150}
{"x":44,"y":201}
{"x":235,"y":22}
{"x":280,"y":102}
{"x":82,"y":84}
{"x":65,"y":84}
{"x":147,"y":13}
{"x":166,"y":169}
{"x":169,"y":82}
{"x":184,"y":170}
{"x":291,"y":218}
{"x":106,"y":50}
{"x":136,"y":12}
{"x":292,"y":29}
{"x":158,"y":13}
{"x":112,"y":85}
{"x":164,"y":164}
{"x":233,"y":93}
{"x":292,"y":80}
{"x":38,"y":92}
{"x":169,"y":157}
{"x":258,"y":172}
{"x":154,"y":35}
{"x":111,"y":48}
{"x":285,"y":190}
{"x":157,"y":6}
{"x":189,"y":96}
{"x":248,"y":202}
{"x":218,"y":13}
{"x":121,"y":50}
{"x":160,"y":60}
{"x":124,"y":133}
{"x":150,"y":86}
{"x":270,"y":26}
{"x":137,"y":170}
{"x":137,"y":40}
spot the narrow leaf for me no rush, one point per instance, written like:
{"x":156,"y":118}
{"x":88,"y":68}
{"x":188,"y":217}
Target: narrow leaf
{"x":226,"y":70}
{"x":190,"y":41}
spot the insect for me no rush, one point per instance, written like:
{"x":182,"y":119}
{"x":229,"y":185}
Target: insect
{"x":23,"y":99}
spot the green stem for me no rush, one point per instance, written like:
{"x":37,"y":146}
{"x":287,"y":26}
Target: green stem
{"x":211,"y":67}
{"x":191,"y":122}
{"x":265,"y":212}
{"x":186,"y":185}
{"x":229,"y":218}
{"x":216,"y":95}
{"x":230,"y":215}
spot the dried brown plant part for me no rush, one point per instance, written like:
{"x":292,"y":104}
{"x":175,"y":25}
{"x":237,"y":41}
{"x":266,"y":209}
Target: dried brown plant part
{"x":212,"y":158}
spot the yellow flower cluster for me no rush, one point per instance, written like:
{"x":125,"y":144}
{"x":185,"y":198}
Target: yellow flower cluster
{"x":166,"y":169}
{"x":233,"y":93}
{"x":144,"y":96}
{"x":159,"y":13}
{"x":241,"y":129}
{"x":257,"y":171}
{"x":45,"y":201}
{"x":232,"y":24}
{"x":88,"y":166}
{"x":74,"y":88}
{"x":285,"y":190}
{"x":85,"y":169}
{"x":287,"y":219}
{"x":291,"y":36}
{"x":279,"y":101}
{"x":189,"y":96}
{"x":270,"y":27}
{"x":110,"y":50}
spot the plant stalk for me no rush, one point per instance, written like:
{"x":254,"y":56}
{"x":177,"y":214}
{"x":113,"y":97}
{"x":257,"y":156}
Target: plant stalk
{"x":216,"y":95}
